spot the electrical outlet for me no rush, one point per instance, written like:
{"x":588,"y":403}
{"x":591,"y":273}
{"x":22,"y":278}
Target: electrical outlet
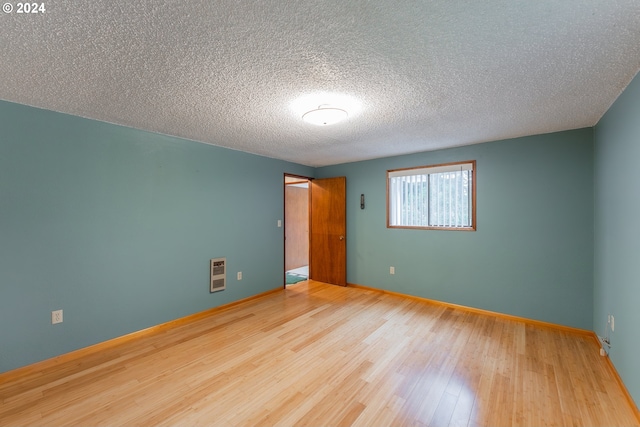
{"x":239,"y":275}
{"x":279,"y":223}
{"x":392,"y":270}
{"x":56,"y":317}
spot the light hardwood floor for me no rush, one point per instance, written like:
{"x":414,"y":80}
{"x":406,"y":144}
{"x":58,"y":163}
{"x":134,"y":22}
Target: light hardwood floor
{"x":321,"y":355}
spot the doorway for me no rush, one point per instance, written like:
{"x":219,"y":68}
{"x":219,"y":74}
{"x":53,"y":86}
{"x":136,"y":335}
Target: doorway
{"x":296,"y":229}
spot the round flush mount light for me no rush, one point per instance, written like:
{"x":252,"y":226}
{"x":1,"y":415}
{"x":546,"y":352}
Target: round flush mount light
{"x":325,"y":108}
{"x":325,"y":115}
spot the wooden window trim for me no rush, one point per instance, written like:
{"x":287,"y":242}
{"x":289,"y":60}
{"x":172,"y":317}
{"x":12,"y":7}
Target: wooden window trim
{"x":474,"y":181}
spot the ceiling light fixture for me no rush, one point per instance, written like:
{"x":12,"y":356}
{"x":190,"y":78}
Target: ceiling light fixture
{"x":325,"y":115}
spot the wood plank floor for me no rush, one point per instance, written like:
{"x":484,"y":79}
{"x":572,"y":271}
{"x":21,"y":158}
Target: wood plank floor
{"x":322,"y":355}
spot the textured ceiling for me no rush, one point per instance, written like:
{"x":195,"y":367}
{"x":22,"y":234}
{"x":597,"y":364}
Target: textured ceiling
{"x":427,"y":74}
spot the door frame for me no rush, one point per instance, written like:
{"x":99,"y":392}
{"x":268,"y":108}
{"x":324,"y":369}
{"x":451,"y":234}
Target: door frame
{"x":284,"y":223}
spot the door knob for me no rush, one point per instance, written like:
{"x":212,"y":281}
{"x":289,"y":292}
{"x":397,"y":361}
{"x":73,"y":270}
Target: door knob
{"x":341,"y":237}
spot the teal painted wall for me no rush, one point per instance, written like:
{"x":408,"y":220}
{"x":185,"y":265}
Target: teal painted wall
{"x":116,"y":227}
{"x":532,"y":253}
{"x":617,"y":234}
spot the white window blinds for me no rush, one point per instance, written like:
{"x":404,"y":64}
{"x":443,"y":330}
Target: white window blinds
{"x":439,"y":196}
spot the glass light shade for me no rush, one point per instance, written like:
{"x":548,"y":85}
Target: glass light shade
{"x":324,"y":116}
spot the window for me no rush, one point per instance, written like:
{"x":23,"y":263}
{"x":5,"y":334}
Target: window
{"x":432,"y":197}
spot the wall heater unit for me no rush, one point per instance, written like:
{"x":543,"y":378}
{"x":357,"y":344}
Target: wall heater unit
{"x":218,"y":274}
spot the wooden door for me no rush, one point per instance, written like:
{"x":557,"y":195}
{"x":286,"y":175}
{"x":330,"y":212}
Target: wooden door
{"x":328,"y":247}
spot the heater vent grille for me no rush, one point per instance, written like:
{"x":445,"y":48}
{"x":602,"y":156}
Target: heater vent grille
{"x":218,"y":274}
